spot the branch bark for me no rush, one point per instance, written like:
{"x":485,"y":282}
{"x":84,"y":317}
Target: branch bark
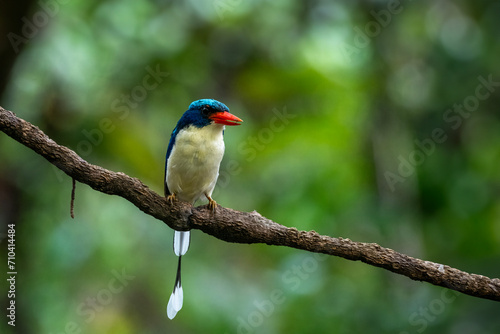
{"x":240,"y":227}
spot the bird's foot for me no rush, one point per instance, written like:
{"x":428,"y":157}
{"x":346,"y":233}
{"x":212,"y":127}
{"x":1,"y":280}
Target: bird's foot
{"x":171,"y":198}
{"x":211,"y":203}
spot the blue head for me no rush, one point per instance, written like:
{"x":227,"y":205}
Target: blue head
{"x":202,"y":113}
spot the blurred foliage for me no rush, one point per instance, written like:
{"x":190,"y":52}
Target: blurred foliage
{"x":341,"y":102}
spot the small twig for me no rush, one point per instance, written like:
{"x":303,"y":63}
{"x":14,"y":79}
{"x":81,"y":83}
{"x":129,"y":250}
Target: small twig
{"x":72,"y":209}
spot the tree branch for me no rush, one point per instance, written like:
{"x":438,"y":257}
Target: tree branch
{"x":240,"y":227}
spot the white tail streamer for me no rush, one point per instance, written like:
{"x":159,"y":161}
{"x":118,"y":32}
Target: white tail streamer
{"x":181,"y":242}
{"x":175,"y":301}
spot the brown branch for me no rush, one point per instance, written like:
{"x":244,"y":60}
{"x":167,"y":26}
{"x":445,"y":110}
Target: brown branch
{"x":240,"y":227}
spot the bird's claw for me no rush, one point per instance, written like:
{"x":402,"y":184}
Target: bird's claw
{"x":211,"y":203}
{"x":171,"y":198}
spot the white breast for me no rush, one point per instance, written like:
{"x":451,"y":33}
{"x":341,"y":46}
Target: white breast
{"x":193,"y":165}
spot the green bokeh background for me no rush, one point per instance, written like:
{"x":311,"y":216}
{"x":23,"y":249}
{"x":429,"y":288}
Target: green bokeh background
{"x":341,"y":103}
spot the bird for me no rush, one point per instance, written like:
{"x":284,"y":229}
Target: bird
{"x":192,"y":164}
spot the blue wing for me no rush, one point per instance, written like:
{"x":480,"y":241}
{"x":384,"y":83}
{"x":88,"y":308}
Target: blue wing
{"x":169,"y":150}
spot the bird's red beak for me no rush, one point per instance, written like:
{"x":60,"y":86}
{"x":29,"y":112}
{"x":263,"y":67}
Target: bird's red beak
{"x":225,"y":118}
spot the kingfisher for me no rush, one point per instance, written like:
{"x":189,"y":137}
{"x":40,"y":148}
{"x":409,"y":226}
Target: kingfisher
{"x":192,"y":164}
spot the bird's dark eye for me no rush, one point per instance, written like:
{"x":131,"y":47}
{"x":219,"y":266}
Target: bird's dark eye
{"x":205,"y":110}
